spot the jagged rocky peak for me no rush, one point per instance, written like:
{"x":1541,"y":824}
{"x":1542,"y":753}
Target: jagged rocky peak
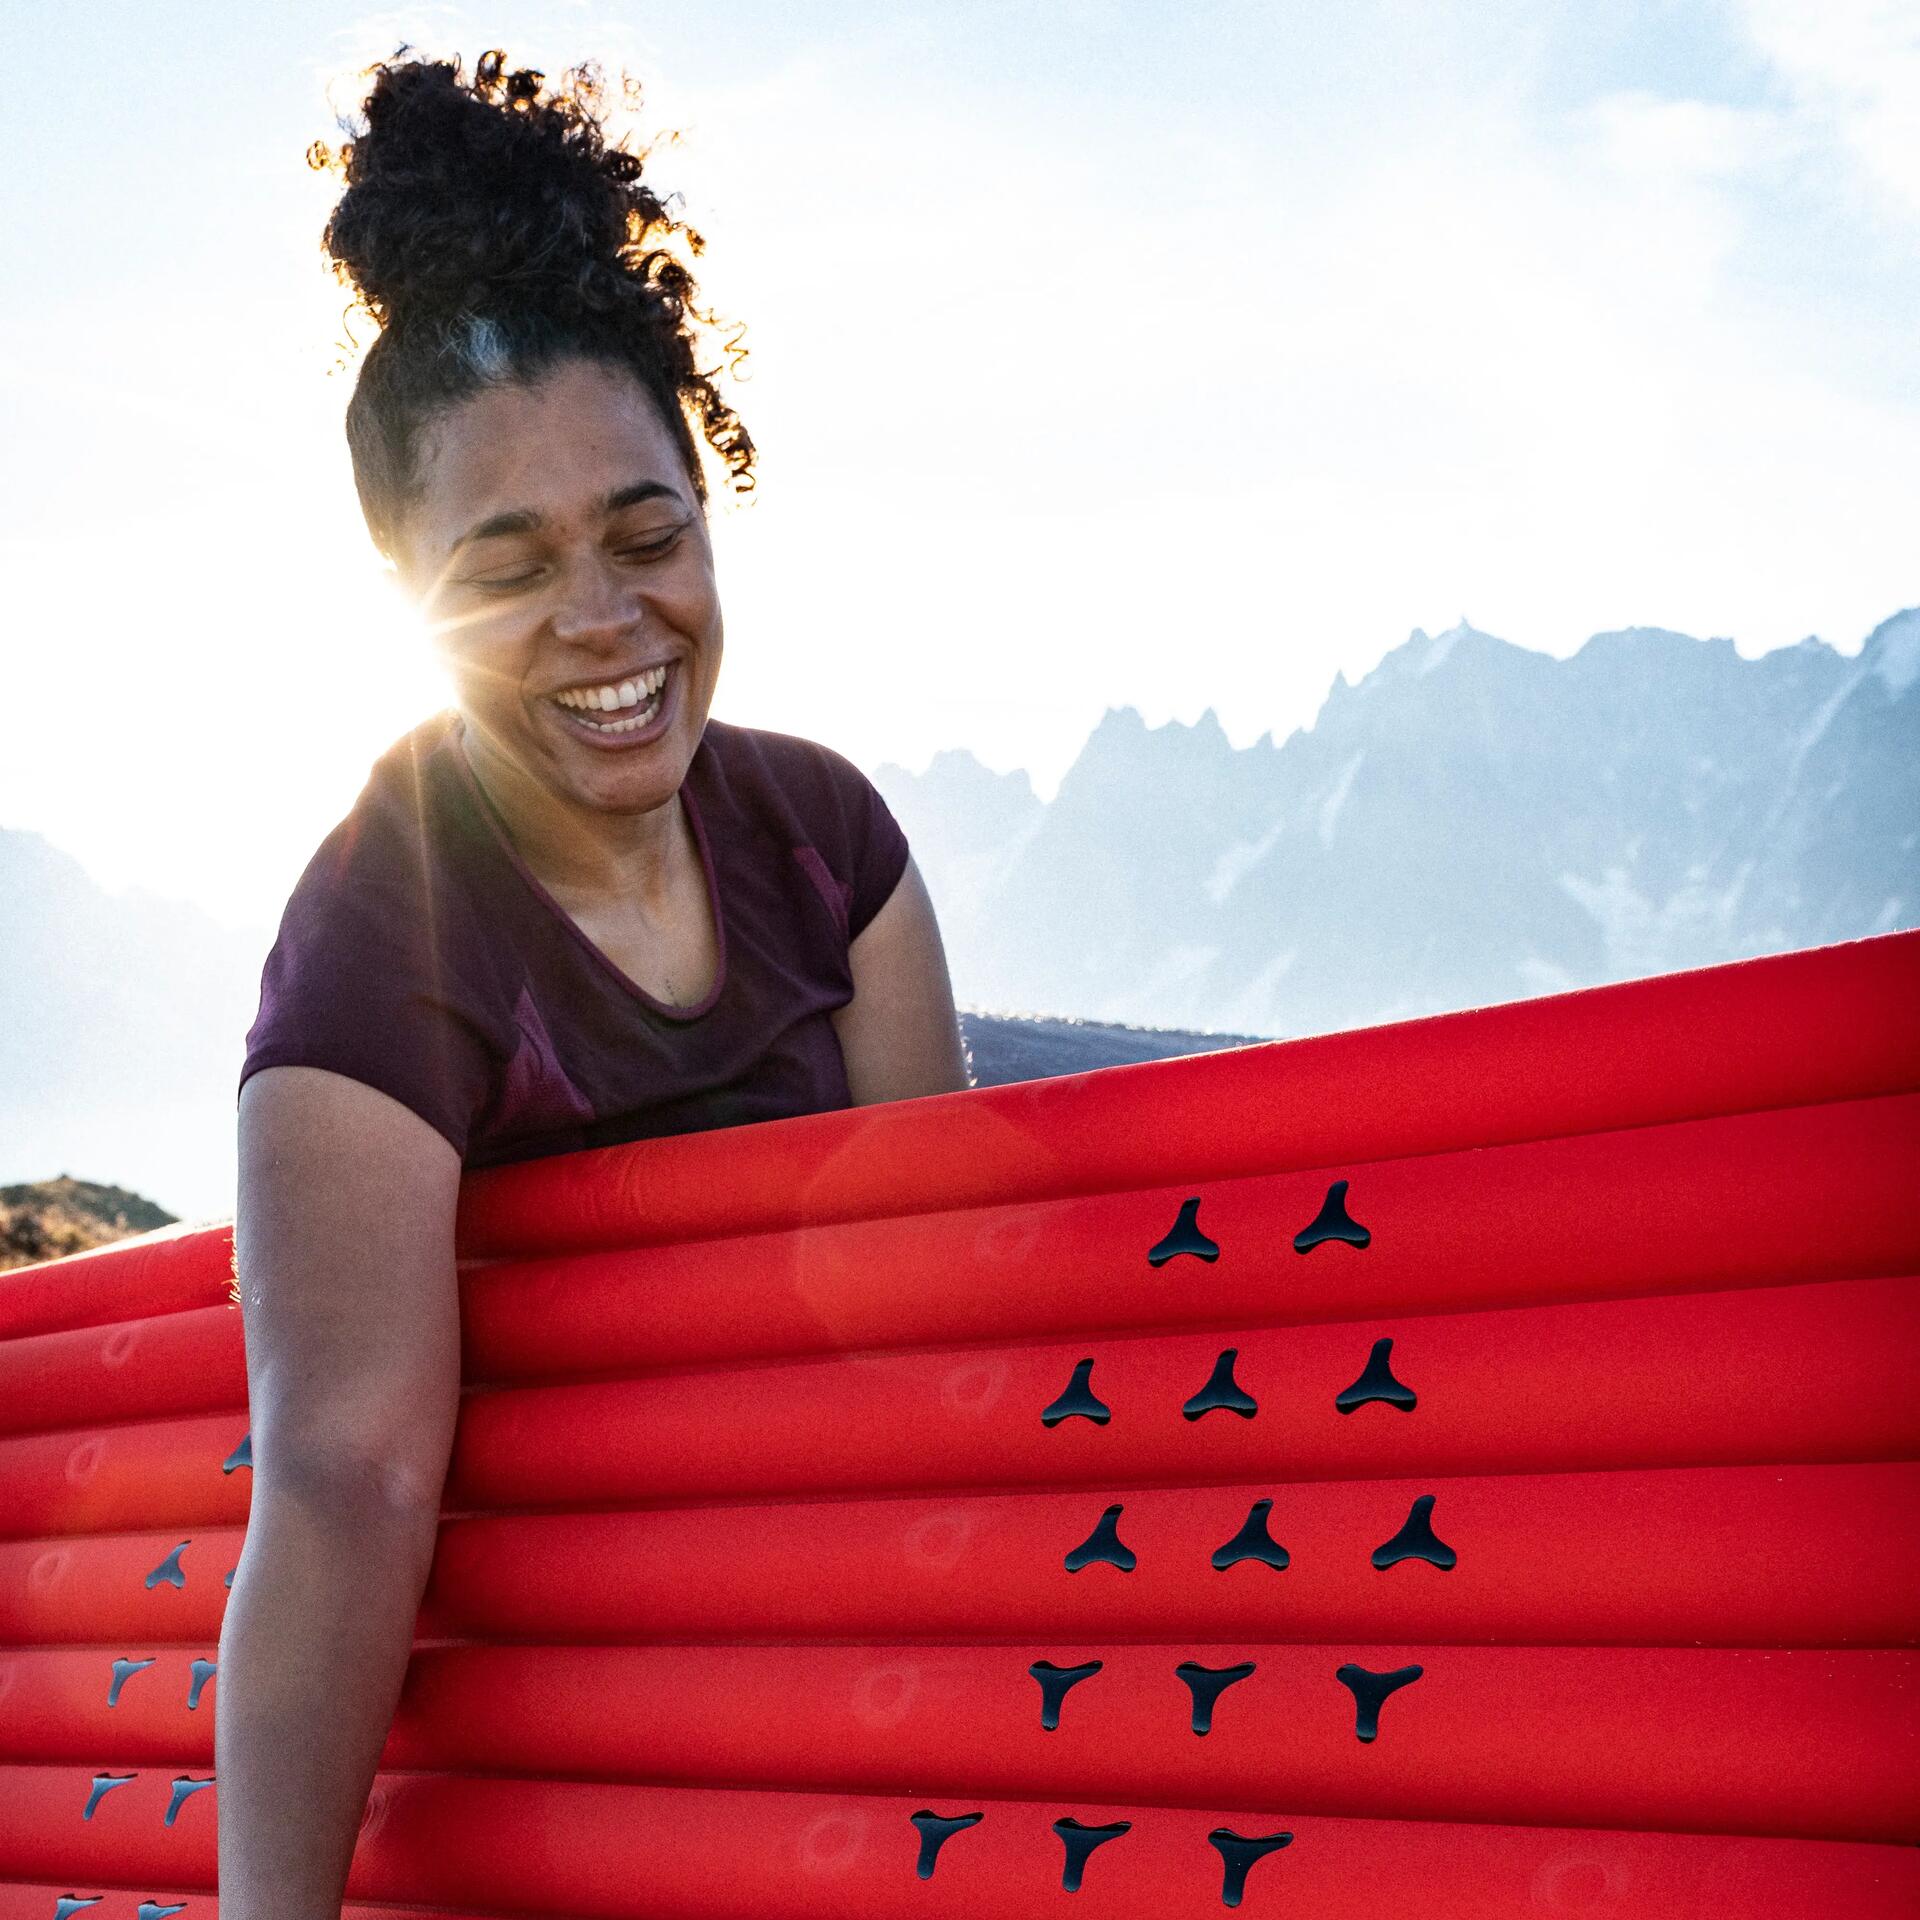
{"x":1812,"y":644}
{"x":1423,"y":653}
{"x":1892,"y":652}
{"x":1119,"y":722}
{"x":1439,"y":650}
{"x":954,"y":776}
{"x":957,"y":800}
{"x":1128,"y":720}
{"x":1122,"y":732}
{"x":1635,"y":652}
{"x":1474,"y":820}
{"x":958,"y":763}
{"x":954,"y":769}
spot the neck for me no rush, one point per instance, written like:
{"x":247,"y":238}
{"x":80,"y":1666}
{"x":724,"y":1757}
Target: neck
{"x":577,"y":854}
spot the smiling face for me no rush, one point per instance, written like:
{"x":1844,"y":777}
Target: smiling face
{"x":560,"y":552}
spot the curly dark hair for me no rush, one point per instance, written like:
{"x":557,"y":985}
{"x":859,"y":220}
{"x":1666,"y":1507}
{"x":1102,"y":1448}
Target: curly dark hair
{"x":490,"y":231}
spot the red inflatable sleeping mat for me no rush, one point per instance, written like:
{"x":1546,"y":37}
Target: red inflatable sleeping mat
{"x":1466,"y":1467}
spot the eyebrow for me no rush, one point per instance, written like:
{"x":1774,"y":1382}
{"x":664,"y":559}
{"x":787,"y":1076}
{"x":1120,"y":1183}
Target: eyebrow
{"x":633,"y":495}
{"x":525,"y":520}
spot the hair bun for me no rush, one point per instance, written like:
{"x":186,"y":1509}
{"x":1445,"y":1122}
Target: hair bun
{"x":483,"y":195}
{"x":491,"y":233}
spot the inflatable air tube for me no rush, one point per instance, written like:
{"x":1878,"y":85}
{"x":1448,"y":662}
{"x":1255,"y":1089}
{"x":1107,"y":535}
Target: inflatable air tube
{"x":1465,"y":1466}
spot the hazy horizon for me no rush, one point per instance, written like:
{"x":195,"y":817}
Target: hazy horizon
{"x":1044,"y":789}
{"x":1100,"y":356}
{"x":1470,"y":822}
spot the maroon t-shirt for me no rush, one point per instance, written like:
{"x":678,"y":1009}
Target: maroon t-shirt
{"x":419,"y":954}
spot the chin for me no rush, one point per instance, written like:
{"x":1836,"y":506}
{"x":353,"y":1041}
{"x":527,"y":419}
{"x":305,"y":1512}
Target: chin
{"x":635,"y":782}
{"x":631,"y":796}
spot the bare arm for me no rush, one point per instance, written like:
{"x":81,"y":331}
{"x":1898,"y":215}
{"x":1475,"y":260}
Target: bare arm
{"x":899,"y":1033}
{"x":344,"y":1248}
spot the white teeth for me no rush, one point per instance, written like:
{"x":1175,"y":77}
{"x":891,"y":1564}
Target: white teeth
{"x":640,"y":719}
{"x":615,"y":695}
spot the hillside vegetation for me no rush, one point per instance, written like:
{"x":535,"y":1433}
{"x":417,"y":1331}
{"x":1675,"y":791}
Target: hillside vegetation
{"x":46,"y":1219}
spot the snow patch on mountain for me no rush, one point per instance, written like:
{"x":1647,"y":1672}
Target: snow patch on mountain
{"x":1331,"y":805}
{"x":1440,"y":647}
{"x":1237,"y":861}
{"x":1640,"y":930}
{"x":1816,"y":728}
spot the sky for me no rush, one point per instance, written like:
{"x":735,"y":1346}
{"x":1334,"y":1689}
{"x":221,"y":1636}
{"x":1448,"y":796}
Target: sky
{"x":1099,"y":355}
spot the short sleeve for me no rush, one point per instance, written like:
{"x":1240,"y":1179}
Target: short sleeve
{"x":879,"y":848}
{"x":838,"y":814}
{"x":355,"y":985}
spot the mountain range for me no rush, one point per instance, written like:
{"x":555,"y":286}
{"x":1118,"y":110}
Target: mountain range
{"x":1471,"y":822}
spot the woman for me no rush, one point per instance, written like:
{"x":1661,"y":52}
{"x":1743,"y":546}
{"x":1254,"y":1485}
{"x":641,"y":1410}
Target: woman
{"x":569,"y":912}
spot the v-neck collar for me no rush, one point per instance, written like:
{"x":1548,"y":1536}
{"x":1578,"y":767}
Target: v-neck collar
{"x":456,"y":747}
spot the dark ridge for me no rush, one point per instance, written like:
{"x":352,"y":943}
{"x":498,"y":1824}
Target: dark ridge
{"x":49,"y":1219}
{"x":1003,"y":1048}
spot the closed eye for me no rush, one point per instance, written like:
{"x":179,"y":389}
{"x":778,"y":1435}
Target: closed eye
{"x":504,"y":582}
{"x":650,"y":549}
{"x":654,"y":547}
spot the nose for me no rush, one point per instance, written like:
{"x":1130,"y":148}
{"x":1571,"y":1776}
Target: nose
{"x":596,"y":605}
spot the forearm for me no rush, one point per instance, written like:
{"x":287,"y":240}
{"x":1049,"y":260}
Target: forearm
{"x":312,"y":1655}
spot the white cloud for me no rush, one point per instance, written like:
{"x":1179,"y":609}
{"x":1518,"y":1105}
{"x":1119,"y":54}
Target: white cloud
{"x":1854,"y":67}
{"x":1666,"y":140}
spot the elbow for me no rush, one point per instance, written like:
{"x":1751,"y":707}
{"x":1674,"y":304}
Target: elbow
{"x":359,"y":1475}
